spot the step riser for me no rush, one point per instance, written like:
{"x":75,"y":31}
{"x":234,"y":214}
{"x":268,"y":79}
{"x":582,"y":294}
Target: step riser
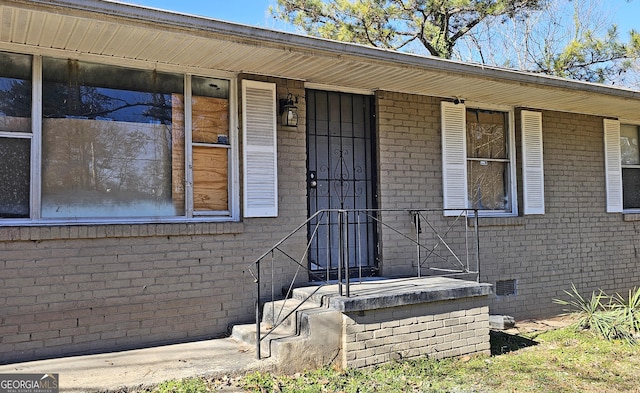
{"x":282,"y":313}
{"x":318,"y":345}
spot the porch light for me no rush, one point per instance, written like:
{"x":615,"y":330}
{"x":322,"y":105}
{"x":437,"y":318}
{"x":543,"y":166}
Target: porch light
{"x":289,"y":111}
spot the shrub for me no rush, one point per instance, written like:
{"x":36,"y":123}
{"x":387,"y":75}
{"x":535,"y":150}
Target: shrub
{"x":629,"y":308}
{"x":610,"y":317}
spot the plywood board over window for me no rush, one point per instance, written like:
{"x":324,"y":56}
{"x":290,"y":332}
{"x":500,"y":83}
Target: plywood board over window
{"x":210,"y":178}
{"x":210,"y":122}
{"x":210,"y":118}
{"x":210,"y":161}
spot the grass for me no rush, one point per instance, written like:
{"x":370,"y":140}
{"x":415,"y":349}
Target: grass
{"x":563,"y":360}
{"x":597,"y":353}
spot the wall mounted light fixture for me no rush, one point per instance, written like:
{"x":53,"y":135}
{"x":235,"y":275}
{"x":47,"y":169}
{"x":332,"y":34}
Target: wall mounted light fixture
{"x":289,"y":111}
{"x":458,"y":100}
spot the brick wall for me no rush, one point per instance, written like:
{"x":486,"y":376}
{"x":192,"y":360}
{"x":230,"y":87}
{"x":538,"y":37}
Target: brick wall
{"x":439,"y":330}
{"x":93,"y":288}
{"x":575,"y":241}
{"x":409,"y":170}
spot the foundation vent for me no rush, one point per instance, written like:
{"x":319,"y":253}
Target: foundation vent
{"x":506,"y":288}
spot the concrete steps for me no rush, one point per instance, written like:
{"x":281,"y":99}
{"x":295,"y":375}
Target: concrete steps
{"x":382,"y":320}
{"x":298,"y":335}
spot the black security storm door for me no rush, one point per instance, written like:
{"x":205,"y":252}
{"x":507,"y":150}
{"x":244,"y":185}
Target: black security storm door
{"x":341,"y":175}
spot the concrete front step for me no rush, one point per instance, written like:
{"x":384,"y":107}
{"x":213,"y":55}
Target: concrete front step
{"x":247,"y":334}
{"x":310,"y":336}
{"x":381,"y":321}
{"x":318,"y":343}
{"x":284,"y":313}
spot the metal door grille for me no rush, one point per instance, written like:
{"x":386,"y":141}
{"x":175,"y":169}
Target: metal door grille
{"x":341,"y":173}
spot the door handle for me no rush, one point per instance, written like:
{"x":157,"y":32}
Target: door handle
{"x":312,"y":179}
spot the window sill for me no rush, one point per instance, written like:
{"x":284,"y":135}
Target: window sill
{"x":630,"y":217}
{"x":507,"y":221}
{"x":44,"y":231}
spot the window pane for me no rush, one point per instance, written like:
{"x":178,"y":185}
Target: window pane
{"x":109,"y":141}
{"x":631,"y":188}
{"x":486,"y":134}
{"x":14,"y":177}
{"x":488,"y":185}
{"x":15,"y":92}
{"x":210,"y":114}
{"x":210,"y":110}
{"x":629,"y":145}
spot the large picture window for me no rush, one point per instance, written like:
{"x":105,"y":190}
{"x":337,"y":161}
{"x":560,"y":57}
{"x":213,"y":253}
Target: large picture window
{"x":107,"y":141}
{"x":116,"y":143}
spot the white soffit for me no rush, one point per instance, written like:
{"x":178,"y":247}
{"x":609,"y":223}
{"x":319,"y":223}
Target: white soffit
{"x":125,"y":34}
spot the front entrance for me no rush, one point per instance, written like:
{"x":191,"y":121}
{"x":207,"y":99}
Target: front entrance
{"x":341,"y":172}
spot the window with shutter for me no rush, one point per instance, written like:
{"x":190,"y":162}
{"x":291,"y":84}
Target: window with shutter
{"x":622,"y":166}
{"x":115,"y":144}
{"x":260,"y":149}
{"x":477,"y":160}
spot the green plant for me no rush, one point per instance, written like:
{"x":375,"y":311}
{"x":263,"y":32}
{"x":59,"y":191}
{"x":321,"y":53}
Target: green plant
{"x":630,"y":308}
{"x":259,"y":382}
{"x":593,"y":314}
{"x":586,"y":310}
{"x":191,"y":385}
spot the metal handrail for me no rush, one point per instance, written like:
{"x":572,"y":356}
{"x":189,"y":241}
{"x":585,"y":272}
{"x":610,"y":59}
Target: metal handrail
{"x":418,"y":216}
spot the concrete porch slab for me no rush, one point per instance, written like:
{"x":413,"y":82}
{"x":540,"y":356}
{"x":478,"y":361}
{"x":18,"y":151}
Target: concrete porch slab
{"x":393,"y":292}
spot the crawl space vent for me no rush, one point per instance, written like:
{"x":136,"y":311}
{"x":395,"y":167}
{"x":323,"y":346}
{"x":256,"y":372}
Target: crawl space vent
{"x":506,"y":288}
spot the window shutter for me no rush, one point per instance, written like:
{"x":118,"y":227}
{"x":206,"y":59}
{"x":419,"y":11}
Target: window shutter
{"x":532,"y":162}
{"x":612,"y":165}
{"x":260,"y":149}
{"x":454,"y":157}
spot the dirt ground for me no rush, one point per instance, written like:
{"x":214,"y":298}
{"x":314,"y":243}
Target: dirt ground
{"x":540,"y":325}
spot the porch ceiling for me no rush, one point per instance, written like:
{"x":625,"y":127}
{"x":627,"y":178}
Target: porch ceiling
{"x":110,"y":31}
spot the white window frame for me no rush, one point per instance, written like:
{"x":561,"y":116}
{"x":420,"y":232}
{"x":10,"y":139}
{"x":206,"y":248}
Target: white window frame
{"x":35,"y":137}
{"x":613,"y":165}
{"x":232,"y":215}
{"x":454,"y":152}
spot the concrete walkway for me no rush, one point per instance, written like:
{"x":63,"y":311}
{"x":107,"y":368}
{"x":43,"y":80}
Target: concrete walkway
{"x":133,"y":370}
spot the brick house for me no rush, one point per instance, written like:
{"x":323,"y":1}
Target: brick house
{"x":144,"y":166}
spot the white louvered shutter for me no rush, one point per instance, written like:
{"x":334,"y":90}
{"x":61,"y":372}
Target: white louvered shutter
{"x":532,"y":162}
{"x":260,"y":149}
{"x":454,"y":157}
{"x":612,"y":165}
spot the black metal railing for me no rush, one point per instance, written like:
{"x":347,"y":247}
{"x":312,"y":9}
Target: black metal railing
{"x":410,"y":242}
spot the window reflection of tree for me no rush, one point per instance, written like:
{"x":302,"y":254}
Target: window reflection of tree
{"x":15,"y":117}
{"x":15,"y":101}
{"x":113,"y":139}
{"x":487,"y":166}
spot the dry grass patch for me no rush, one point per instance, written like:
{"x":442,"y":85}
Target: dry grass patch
{"x":561,"y":361}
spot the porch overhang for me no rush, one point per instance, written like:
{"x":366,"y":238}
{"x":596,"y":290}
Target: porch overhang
{"x":118,"y":33}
